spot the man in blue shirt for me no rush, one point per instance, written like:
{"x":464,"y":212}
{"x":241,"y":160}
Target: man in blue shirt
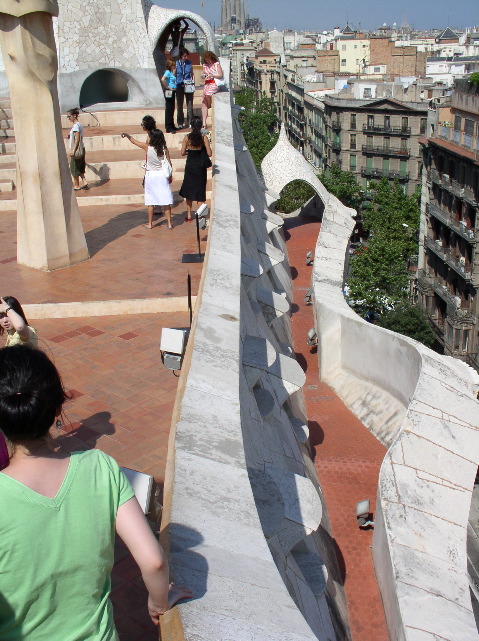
{"x":185,"y":83}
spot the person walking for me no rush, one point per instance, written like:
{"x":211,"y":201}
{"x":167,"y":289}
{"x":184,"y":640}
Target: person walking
{"x":169,"y":83}
{"x":77,"y":151}
{"x":158,"y":175}
{"x":196,"y":148}
{"x":185,"y":89}
{"x":211,"y":70}
{"x":60,"y":516}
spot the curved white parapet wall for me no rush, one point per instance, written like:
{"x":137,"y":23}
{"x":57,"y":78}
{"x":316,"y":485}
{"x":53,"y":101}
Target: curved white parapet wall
{"x":424,"y":407}
{"x":244,"y":515}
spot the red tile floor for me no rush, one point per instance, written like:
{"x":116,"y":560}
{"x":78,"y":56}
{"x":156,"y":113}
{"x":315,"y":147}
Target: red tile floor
{"x":122,"y":395}
{"x":122,"y":403}
{"x":347,"y":455}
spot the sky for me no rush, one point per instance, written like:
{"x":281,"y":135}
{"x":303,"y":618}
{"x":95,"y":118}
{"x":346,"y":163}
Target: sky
{"x":320,"y":15}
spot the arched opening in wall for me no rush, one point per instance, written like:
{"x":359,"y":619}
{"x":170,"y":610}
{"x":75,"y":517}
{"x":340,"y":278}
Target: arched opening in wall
{"x":104,"y":85}
{"x":298,"y":196}
{"x":168,"y":41}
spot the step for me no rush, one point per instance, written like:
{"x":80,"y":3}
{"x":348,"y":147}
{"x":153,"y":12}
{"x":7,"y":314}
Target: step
{"x":5,"y":123}
{"x":7,"y":147}
{"x":122,"y":169}
{"x":8,"y":174}
{"x":8,"y":159}
{"x":116,"y":142}
{"x":6,"y":185}
{"x":7,"y":133}
{"x":112,"y":192}
{"x":124,"y":117}
{"x":6,"y":113}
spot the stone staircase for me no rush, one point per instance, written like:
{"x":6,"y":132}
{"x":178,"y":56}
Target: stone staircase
{"x":113,"y":164}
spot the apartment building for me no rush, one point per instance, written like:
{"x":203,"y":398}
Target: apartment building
{"x":448,"y":276}
{"x":261,"y":72}
{"x":375,"y":138}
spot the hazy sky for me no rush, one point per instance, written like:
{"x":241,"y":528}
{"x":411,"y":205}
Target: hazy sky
{"x":319,"y":15}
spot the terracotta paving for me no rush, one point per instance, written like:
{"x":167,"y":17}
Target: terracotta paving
{"x":122,"y":403}
{"x":347,"y":456}
{"x":127,"y":260}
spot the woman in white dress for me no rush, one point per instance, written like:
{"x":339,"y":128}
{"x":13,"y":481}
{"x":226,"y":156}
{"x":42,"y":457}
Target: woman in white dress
{"x":157,"y":181}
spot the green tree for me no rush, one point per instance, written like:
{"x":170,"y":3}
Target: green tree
{"x":344,"y":186}
{"x":395,"y":214}
{"x":257,"y":121}
{"x":378,"y":277}
{"x":474,"y":78}
{"x":293,"y":196}
{"x":410,"y":321}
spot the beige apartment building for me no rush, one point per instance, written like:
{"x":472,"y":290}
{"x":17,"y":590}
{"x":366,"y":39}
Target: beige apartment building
{"x":448,"y":275}
{"x":375,"y":138}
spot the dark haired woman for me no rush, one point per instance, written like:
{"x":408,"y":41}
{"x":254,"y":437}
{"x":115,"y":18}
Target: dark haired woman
{"x":14,"y":322}
{"x":211,"y":70}
{"x":77,"y":151}
{"x":61,"y":512}
{"x":196,"y":147}
{"x":168,"y":81}
{"x":148,"y":123}
{"x":157,"y":184}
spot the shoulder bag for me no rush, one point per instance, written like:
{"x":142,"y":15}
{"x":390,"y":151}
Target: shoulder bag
{"x":166,"y":168}
{"x":189,"y":86}
{"x":79,"y":151}
{"x":205,"y":161}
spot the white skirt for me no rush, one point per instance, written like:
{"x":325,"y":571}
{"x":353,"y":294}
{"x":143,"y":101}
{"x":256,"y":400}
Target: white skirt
{"x":157,"y":189}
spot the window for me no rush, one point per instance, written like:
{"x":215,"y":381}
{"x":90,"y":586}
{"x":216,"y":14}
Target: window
{"x":352,"y":143}
{"x":343,"y":47}
{"x":419,"y":169}
{"x":457,"y":123}
{"x":465,"y":339}
{"x":377,"y":69}
{"x":403,"y":167}
{"x":355,"y":46}
{"x":369,"y":141}
{"x":343,"y":62}
{"x":404,"y":144}
{"x":387,"y":143}
{"x":352,"y":162}
{"x":404,"y":123}
{"x":353,"y":121}
{"x":370,"y":122}
{"x":422,"y":129}
{"x":387,"y":122}
{"x":367,"y":93}
{"x":357,"y":61}
{"x":386,"y":166}
{"x":469,"y":127}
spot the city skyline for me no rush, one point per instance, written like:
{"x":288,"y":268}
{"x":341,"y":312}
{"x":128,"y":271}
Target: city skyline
{"x":319,"y":16}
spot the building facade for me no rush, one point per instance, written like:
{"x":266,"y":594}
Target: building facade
{"x":448,"y":276}
{"x":375,"y":138}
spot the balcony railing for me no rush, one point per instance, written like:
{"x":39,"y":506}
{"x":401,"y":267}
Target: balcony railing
{"x":373,"y":172}
{"x":459,"y":138}
{"x":445,"y":253}
{"x":454,"y":187}
{"x":460,"y":227}
{"x":385,"y":151}
{"x":336,"y":145}
{"x":336,"y":126}
{"x":395,"y":131}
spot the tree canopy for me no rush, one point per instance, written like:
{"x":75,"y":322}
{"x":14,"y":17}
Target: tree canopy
{"x":293,"y":196}
{"x":344,"y":186}
{"x":257,"y":121}
{"x":410,"y":321}
{"x":378,"y":278}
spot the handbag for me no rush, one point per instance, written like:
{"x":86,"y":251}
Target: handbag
{"x":205,"y":160}
{"x":166,"y":168}
{"x":189,"y":86}
{"x":220,"y":83}
{"x":80,"y":150}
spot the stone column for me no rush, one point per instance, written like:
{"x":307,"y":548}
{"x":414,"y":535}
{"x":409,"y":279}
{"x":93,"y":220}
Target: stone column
{"x":49,"y":228}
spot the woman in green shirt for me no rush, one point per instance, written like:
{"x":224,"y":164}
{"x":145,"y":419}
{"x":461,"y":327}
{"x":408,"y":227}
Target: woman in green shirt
{"x":58,"y":516}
